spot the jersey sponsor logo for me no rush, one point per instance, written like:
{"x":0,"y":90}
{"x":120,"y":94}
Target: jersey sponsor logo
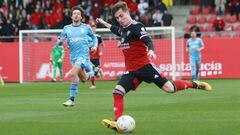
{"x":124,"y":46}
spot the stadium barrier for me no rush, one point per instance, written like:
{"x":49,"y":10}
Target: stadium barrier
{"x":219,"y":60}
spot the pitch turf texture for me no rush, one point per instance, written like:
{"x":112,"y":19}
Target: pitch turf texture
{"x":36,"y":109}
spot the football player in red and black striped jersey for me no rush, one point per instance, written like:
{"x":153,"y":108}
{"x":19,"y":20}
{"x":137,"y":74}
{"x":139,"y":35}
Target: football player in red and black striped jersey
{"x":137,"y":48}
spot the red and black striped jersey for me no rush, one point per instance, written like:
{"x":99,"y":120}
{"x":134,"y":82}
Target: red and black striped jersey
{"x":135,"y":43}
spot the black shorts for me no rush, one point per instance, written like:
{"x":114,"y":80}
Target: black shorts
{"x":95,"y":62}
{"x":148,"y":73}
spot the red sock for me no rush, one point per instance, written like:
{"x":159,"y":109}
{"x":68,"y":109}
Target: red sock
{"x":182,"y":84}
{"x":118,"y":106}
{"x":92,"y":79}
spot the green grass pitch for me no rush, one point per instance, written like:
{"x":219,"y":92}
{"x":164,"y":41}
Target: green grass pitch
{"x":36,"y":109}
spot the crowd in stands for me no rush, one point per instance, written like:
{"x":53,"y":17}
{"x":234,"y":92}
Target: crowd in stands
{"x":18,"y":15}
{"x":215,"y":16}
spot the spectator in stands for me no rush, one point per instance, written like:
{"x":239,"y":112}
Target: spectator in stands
{"x":133,"y":6}
{"x":167,"y":19}
{"x":49,"y":21}
{"x":157,"y":17}
{"x":218,"y":24}
{"x":15,"y":3}
{"x":48,"y":5}
{"x":147,"y":19}
{"x":30,"y":7}
{"x":11,"y":10}
{"x":231,"y":5}
{"x":96,"y":10}
{"x":110,"y":2}
{"x":35,"y":19}
{"x":66,"y":17}
{"x":21,"y":11}
{"x":91,"y":21}
{"x":212,"y":4}
{"x":21,"y":23}
{"x":58,"y":17}
{"x":142,"y":9}
{"x":220,"y":6}
{"x":106,"y":12}
{"x":237,"y":9}
{"x":137,"y":18}
{"x":7,"y":30}
{"x":58,"y":5}
{"x":4,"y":8}
{"x":89,"y":6}
{"x":161,"y":6}
{"x":203,"y":3}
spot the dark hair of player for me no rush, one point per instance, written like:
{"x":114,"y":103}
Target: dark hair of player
{"x":80,"y":9}
{"x":120,"y":5}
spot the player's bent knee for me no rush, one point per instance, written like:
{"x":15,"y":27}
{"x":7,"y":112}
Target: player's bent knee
{"x":168,"y":87}
{"x":119,"y":90}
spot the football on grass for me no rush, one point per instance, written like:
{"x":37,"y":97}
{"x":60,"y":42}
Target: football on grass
{"x":126,"y":124}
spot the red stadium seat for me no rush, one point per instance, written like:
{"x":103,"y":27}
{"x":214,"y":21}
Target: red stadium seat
{"x":229,"y":27}
{"x":237,"y":28}
{"x":214,"y":11}
{"x":209,"y":28}
{"x":211,"y":18}
{"x":187,"y":28}
{"x":202,"y":20}
{"x":201,"y":28}
{"x":192,"y":20}
{"x":195,"y":11}
{"x":224,"y":17}
{"x":232,"y":19}
{"x":206,"y":11}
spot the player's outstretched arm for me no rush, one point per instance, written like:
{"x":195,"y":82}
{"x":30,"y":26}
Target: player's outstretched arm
{"x":104,"y":23}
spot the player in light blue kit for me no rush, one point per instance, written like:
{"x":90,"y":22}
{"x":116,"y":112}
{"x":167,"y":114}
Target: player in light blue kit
{"x":77,"y":35}
{"x":194,"y":46}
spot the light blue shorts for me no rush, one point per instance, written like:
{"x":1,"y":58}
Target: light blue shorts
{"x":85,"y":63}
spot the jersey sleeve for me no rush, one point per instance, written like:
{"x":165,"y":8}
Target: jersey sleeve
{"x":116,"y":30}
{"x":92,"y":36}
{"x":141,"y":33}
{"x":62,"y":36}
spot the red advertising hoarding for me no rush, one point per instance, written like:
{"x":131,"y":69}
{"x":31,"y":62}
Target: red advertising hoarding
{"x":219,"y":60}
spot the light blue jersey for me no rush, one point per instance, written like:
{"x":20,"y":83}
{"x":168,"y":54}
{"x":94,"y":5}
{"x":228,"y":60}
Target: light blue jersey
{"x":194,"y":44}
{"x":195,"y":56}
{"x":79,"y":39}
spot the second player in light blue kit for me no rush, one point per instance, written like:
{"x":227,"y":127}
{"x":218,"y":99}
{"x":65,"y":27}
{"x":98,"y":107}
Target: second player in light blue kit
{"x":78,"y":37}
{"x":194,"y":46}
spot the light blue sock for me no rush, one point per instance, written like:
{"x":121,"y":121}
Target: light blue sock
{"x":73,"y":91}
